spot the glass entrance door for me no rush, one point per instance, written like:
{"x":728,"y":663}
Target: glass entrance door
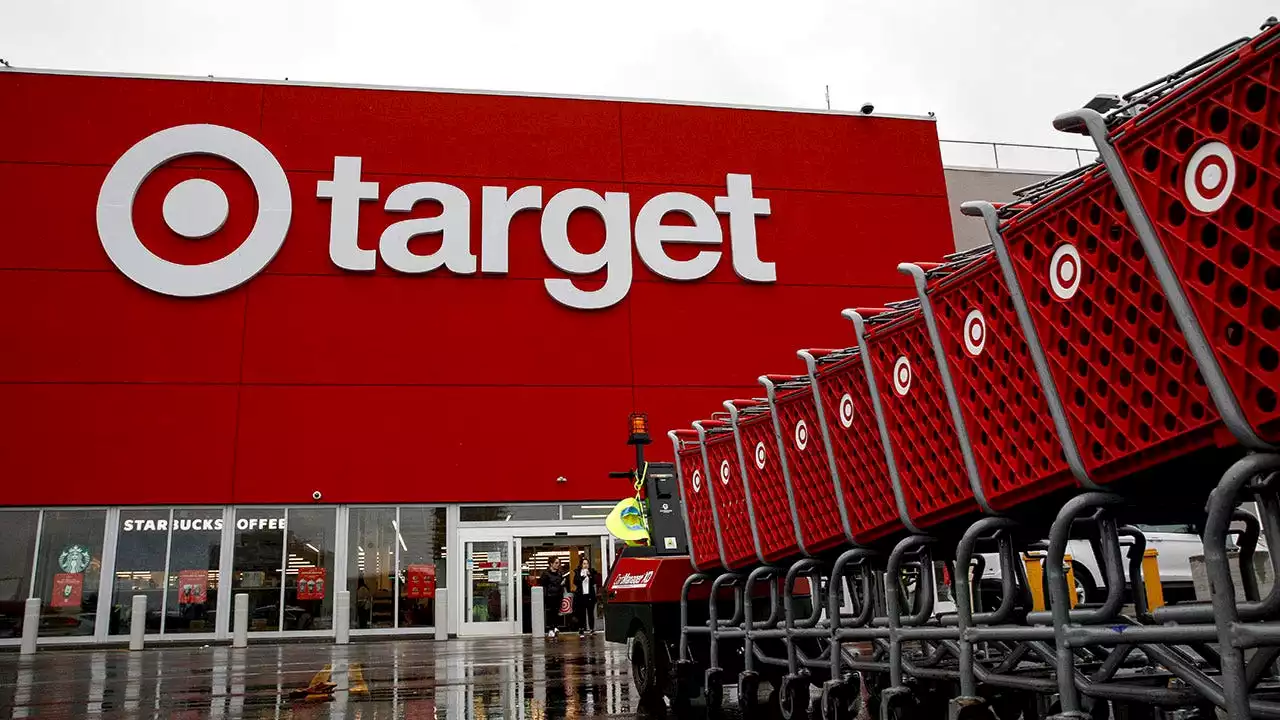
{"x":488,"y":585}
{"x":536,"y":554}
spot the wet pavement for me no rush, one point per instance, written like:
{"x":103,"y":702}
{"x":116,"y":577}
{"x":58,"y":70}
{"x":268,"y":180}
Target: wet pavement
{"x":498,"y":679}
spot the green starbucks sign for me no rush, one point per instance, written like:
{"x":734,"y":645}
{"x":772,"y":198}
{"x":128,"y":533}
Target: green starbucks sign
{"x":74,"y":559}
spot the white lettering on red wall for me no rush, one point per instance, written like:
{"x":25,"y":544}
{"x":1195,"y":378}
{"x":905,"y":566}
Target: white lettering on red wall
{"x":198,"y":208}
{"x":179,"y":525}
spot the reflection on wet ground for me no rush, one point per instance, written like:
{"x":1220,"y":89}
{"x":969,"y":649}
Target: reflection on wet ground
{"x":498,"y":679}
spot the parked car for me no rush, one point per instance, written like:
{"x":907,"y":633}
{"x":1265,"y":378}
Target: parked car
{"x":1175,"y":545}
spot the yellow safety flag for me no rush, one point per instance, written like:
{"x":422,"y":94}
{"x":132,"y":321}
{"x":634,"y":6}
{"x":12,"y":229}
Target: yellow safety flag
{"x":626,"y":522}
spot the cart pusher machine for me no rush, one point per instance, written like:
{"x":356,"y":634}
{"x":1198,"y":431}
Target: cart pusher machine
{"x":1111,"y":359}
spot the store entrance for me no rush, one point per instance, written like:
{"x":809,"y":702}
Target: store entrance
{"x":536,"y":554}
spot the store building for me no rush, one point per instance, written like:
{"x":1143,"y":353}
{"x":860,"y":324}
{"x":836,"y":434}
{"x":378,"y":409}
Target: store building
{"x":285,"y":339}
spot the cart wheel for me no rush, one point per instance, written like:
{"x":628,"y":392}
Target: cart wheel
{"x":713,"y":689}
{"x":748,"y":691}
{"x":648,"y":669}
{"x":898,"y":704}
{"x":685,"y":680}
{"x":839,"y":700}
{"x":793,"y":697}
{"x":970,"y":708}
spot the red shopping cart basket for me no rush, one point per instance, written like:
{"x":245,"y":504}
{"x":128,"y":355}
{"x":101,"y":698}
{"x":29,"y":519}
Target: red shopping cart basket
{"x":1005,"y":415}
{"x":699,"y":512}
{"x":1203,"y":156}
{"x":917,"y":419}
{"x":805,"y":469}
{"x":772,"y":518}
{"x":1131,"y":393}
{"x":724,"y":474}
{"x":852,"y":440}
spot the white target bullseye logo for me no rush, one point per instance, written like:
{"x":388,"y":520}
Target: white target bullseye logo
{"x":724,"y":472}
{"x":802,"y":435}
{"x":761,"y":455}
{"x":194,"y":209}
{"x":1065,"y":271}
{"x":846,"y":410}
{"x":975,"y":332}
{"x":902,"y":376}
{"x":697,"y":481}
{"x":1210,"y":177}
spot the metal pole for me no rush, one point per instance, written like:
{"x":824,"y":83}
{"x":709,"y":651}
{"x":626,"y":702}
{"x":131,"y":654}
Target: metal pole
{"x":137,"y":622}
{"x":30,"y":625}
{"x":442,"y":613}
{"x":537,"y":611}
{"x":342,"y":617}
{"x":240,"y":633}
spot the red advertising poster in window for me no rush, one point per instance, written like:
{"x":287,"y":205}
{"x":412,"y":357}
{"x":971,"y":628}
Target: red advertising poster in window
{"x":193,"y":587}
{"x":310,"y":583}
{"x":67,"y":590}
{"x":420,"y":581}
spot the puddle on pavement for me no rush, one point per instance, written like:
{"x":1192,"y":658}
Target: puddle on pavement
{"x":463,"y":680}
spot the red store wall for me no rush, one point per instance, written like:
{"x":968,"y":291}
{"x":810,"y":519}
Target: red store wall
{"x":384,"y":387}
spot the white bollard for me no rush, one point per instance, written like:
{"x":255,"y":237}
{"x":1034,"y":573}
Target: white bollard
{"x":442,"y":614}
{"x":240,"y":632}
{"x":30,"y":625}
{"x":537,"y":614}
{"x":342,"y":617}
{"x":138,"y":622}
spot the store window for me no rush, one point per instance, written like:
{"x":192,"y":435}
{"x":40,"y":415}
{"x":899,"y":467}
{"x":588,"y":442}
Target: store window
{"x":371,"y":567}
{"x":423,"y":565}
{"x":396,"y":560}
{"x":68,"y":571}
{"x":590,"y":511}
{"x":16,"y":554}
{"x":309,"y":547}
{"x":140,"y":568}
{"x":258,"y":564}
{"x":195,"y":552}
{"x":509,"y":513}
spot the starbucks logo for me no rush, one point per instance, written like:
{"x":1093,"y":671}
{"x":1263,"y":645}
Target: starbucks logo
{"x":74,"y":559}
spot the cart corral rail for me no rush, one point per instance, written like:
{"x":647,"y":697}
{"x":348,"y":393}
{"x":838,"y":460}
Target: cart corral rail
{"x":1109,"y":362}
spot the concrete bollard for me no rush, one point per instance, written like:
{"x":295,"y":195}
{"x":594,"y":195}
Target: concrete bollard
{"x":537,"y":612}
{"x":138,"y":622}
{"x":442,"y":614}
{"x":30,"y":625}
{"x":342,"y":617}
{"x":240,"y":631}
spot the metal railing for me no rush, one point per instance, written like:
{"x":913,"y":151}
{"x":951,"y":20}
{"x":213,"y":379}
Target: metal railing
{"x":1014,"y":156}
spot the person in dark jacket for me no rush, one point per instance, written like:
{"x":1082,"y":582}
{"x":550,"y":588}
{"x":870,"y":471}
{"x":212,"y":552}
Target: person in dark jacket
{"x":552,"y":582}
{"x":586,"y":589}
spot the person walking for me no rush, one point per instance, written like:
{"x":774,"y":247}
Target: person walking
{"x":364,"y":605}
{"x":584,"y":596}
{"x":553,"y":582}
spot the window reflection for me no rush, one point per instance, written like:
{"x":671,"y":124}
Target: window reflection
{"x":509,"y":513}
{"x":16,"y":554}
{"x":422,"y":564}
{"x":194,"y":555}
{"x":257,"y":564}
{"x":139,"y":569}
{"x":68,"y":571}
{"x":308,"y":590}
{"x":371,"y":567}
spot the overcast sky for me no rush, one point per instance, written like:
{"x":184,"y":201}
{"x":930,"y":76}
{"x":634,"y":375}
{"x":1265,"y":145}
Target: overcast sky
{"x":995,"y":71}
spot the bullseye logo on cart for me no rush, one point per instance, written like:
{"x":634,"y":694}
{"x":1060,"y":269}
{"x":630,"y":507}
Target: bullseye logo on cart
{"x":197,"y":208}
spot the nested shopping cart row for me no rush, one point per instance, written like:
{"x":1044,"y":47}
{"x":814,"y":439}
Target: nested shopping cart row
{"x":1125,"y":314}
